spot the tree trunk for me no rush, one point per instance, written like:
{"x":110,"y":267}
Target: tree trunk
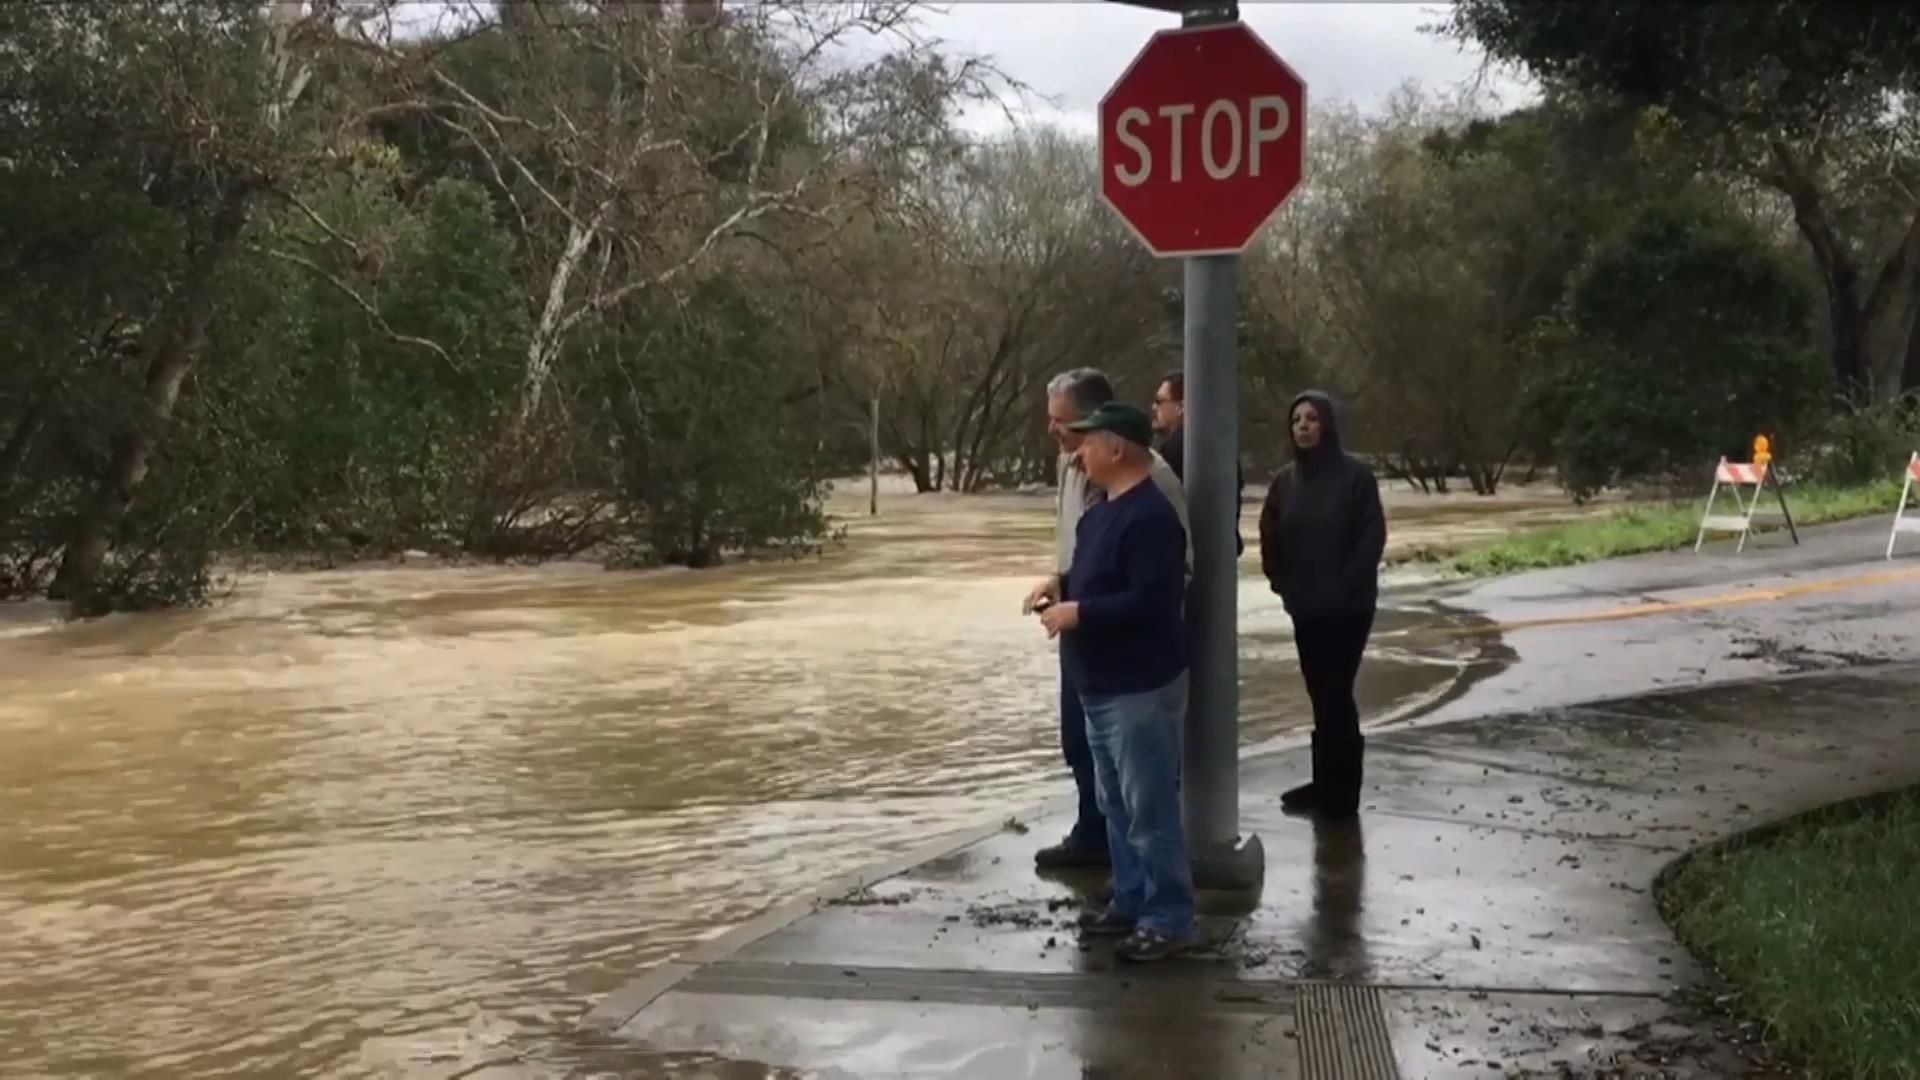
{"x":172,"y":360}
{"x":929,"y":449}
{"x":1870,"y":334}
{"x":14,"y":493}
{"x":1910,"y":373}
{"x":14,"y":454}
{"x":956,"y":453}
{"x":1890,"y":315}
{"x":1485,"y":478}
{"x":544,"y":344}
{"x":916,"y":466}
{"x":910,"y":455}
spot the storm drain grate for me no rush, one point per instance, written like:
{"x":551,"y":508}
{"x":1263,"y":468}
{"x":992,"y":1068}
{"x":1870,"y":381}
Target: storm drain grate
{"x":1343,"y":1034}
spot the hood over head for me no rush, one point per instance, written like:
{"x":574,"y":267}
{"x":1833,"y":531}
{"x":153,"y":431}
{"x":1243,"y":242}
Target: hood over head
{"x":1330,"y":443}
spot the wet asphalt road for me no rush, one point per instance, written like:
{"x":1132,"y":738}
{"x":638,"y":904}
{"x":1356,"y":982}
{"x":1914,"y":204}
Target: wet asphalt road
{"x":1679,"y":619}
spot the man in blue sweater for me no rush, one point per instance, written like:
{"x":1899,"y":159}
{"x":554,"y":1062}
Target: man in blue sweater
{"x":1122,"y":627}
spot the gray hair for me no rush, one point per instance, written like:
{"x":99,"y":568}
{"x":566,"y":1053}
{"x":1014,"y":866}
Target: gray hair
{"x":1085,"y":388}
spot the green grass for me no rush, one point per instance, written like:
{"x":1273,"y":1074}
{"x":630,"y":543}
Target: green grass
{"x":1645,"y":528}
{"x":1813,"y":928}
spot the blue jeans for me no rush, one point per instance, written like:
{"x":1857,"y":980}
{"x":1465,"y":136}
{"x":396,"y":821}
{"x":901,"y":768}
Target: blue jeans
{"x":1089,"y":827}
{"x":1136,"y":761}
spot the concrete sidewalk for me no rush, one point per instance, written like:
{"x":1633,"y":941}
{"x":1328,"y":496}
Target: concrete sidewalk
{"x":1490,"y":915}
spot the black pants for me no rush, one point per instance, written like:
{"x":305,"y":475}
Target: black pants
{"x":1090,"y":825}
{"x":1330,"y":649}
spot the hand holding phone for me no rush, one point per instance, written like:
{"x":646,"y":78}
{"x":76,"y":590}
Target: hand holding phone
{"x":1042,"y":595}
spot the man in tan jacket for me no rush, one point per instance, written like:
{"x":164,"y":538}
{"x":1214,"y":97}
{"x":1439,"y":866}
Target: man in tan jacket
{"x":1073,"y":396}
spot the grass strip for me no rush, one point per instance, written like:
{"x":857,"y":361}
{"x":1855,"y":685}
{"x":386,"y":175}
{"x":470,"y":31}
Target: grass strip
{"x":1645,"y":528}
{"x":1812,"y":926}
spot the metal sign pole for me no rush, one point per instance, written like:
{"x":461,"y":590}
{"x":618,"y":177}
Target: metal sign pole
{"x":1210,"y":788}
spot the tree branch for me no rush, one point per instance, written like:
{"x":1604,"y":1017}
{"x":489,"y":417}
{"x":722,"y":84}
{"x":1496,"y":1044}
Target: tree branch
{"x":754,"y":208}
{"x":313,"y":216}
{"x":373,"y":314}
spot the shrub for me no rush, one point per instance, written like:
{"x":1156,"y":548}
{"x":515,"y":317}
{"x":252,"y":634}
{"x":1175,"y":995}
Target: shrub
{"x":1862,"y":444}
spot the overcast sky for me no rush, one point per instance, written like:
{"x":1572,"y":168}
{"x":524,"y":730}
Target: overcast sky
{"x":1072,"y":51}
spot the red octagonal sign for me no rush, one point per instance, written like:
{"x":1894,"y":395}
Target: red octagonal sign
{"x":1201,"y":139}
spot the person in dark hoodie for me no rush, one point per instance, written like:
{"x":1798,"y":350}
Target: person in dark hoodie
{"x":1322,"y":533}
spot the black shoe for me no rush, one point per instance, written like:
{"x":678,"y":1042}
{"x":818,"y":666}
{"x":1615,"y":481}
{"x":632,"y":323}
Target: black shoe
{"x":1067,"y":855}
{"x":1105,"y":923}
{"x":1341,"y":781}
{"x":1145,"y":946}
{"x":1336,"y":810}
{"x":1338,"y":771}
{"x":1301,"y":800}
{"x":1305,"y":799}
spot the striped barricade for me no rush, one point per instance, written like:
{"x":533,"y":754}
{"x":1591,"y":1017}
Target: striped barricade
{"x":1737,"y":478}
{"x":1901,"y":522}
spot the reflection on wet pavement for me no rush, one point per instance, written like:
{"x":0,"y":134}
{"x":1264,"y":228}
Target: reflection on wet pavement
{"x":1335,"y":948}
{"x":398,"y":821}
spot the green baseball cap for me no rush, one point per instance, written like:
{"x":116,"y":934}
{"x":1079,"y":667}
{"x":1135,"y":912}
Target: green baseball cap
{"x":1124,"y":420}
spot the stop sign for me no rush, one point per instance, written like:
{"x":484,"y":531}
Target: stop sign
{"x":1201,"y":139}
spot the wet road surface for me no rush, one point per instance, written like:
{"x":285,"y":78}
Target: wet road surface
{"x":1491,"y":914}
{"x":1680,"y":619}
{"x":386,"y":821}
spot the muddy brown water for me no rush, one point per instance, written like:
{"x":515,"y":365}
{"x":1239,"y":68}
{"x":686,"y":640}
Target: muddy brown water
{"x":396,"y":821}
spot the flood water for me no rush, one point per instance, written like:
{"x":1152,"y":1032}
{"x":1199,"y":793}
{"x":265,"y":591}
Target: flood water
{"x":402,"y":821}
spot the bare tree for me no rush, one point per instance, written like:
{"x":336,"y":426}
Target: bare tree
{"x":1009,"y":271}
{"x":631,"y":145}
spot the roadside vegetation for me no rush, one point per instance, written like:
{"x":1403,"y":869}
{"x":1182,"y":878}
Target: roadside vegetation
{"x":1651,"y":526}
{"x":1812,"y":928}
{"x":561,"y":277}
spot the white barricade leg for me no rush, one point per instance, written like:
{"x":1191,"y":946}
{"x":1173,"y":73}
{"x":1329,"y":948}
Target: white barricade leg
{"x":1900,"y":524}
{"x":1713,"y":493}
{"x":1747,"y":509}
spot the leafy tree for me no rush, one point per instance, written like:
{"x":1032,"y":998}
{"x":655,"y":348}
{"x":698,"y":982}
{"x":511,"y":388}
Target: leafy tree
{"x":307,"y":274}
{"x":1683,"y":336}
{"x":632,"y":148}
{"x":183,"y":117}
{"x":351,"y":433}
{"x":1812,"y":100}
{"x":709,"y":458}
{"x":1445,"y":251}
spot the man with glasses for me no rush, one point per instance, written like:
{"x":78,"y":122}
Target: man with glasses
{"x":1170,"y":423}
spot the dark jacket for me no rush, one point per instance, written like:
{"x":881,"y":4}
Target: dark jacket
{"x":1173,"y":451}
{"x":1322,"y":529}
{"x":1129,"y":578}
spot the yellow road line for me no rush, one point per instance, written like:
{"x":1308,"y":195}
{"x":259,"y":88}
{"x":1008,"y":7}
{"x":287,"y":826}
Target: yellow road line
{"x":1671,"y":607}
